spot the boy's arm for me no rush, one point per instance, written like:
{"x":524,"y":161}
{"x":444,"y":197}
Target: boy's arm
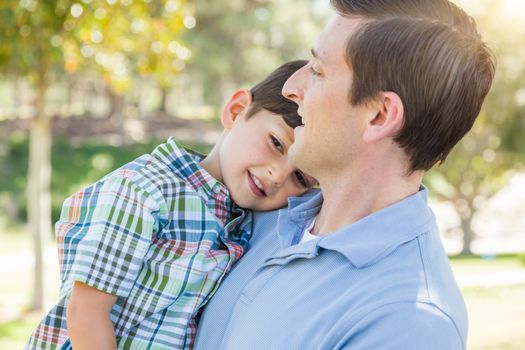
{"x":88,"y":321}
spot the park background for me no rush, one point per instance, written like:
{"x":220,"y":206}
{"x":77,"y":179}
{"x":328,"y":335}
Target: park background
{"x":88,"y":85}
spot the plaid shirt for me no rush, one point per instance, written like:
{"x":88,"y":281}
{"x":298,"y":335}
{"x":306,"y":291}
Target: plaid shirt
{"x":160,"y":233}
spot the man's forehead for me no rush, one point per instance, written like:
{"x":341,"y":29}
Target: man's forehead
{"x":331,"y":43}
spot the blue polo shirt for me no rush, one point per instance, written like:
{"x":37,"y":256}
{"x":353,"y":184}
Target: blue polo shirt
{"x":383,"y":282}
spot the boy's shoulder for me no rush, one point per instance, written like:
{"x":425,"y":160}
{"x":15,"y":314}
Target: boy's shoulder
{"x":161,"y":178}
{"x":174,"y":158}
{"x":173,"y":149}
{"x":166,"y":162}
{"x":169,"y":170}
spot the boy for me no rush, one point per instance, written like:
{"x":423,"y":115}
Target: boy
{"x":143,"y":249}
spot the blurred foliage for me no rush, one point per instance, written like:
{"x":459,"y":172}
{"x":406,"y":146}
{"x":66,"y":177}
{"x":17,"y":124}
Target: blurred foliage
{"x":219,"y":45}
{"x":74,"y":165}
{"x":481,"y":163}
{"x":126,"y":39}
{"x":237,"y":43}
{"x":26,"y":30}
{"x":117,"y":39}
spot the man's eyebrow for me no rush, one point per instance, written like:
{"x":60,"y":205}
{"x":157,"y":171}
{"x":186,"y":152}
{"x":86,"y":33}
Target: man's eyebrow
{"x":315,"y":55}
{"x":290,"y":139}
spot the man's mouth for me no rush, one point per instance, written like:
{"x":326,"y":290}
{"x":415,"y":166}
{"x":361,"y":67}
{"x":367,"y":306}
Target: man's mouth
{"x":256,"y":185}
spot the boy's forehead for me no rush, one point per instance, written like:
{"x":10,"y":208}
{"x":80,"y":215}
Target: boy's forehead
{"x":285,"y":129}
{"x":275,"y":123}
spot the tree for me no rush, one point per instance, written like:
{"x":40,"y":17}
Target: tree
{"x":237,"y":43}
{"x":27,"y":30}
{"x":128,"y":39}
{"x":480,"y":164}
{"x":49,"y":38}
{"x":474,"y":171}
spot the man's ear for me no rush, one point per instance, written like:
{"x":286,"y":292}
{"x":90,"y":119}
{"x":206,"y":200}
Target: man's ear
{"x":239,"y":101}
{"x":388,"y":118}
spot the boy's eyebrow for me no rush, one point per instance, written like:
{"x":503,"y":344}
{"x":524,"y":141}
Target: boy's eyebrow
{"x":284,"y":135}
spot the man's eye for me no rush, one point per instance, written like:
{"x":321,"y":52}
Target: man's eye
{"x":314,"y":72}
{"x":277,"y":144}
{"x":301,"y":178}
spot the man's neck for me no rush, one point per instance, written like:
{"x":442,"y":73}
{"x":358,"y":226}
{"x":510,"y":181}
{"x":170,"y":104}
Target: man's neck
{"x":347,"y":199}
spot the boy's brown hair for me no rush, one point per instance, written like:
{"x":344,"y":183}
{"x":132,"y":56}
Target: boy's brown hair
{"x":429,"y":53}
{"x":268,"y":94}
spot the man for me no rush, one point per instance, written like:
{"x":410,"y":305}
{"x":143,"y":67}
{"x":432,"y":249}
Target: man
{"x":391,"y":88}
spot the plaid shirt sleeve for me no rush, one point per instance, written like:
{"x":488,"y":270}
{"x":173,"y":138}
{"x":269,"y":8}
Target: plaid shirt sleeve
{"x":106,"y":231}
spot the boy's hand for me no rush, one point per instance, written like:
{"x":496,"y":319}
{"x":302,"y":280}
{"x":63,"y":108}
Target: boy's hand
{"x":88,"y":321}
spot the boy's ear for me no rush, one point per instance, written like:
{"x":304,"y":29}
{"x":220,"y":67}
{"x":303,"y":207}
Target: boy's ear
{"x":239,"y":101}
{"x":388,"y":118}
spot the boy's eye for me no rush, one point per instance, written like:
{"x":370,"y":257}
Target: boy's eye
{"x":277,"y":144}
{"x":301,"y":178}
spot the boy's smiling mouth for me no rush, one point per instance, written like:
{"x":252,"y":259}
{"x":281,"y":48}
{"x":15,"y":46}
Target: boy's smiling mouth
{"x":256,"y":185}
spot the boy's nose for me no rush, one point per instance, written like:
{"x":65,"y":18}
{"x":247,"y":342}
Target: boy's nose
{"x":279,"y":172}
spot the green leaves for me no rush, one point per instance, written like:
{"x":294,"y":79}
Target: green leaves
{"x":118,"y":39}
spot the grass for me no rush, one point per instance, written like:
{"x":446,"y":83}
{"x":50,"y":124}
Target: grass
{"x":14,"y":333}
{"x":16,"y":324}
{"x":496,"y":310}
{"x":16,"y":236}
{"x":497,"y":317}
{"x":489,"y":261}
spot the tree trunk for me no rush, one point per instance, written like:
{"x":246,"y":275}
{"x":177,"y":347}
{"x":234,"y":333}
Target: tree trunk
{"x":163,"y":100}
{"x":468,"y":234}
{"x":17,"y":99}
{"x":117,"y":116}
{"x":38,"y":194}
{"x":116,"y":104}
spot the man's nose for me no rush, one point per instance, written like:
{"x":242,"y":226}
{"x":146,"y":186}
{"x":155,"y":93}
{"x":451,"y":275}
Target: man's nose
{"x":291,"y":89}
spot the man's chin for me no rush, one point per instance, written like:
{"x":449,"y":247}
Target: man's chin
{"x":292,"y":155}
{"x":295,"y":154}
{"x":298,"y":134}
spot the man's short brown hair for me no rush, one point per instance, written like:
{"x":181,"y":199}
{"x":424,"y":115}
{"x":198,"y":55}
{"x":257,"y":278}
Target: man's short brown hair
{"x":429,"y":53}
{"x":268,"y":94}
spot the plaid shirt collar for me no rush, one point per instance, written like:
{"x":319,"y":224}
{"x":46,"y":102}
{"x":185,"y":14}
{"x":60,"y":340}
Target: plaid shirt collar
{"x":185,"y":163}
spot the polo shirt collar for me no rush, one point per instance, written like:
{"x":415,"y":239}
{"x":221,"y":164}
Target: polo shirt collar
{"x":368,"y":240}
{"x":293,"y":219}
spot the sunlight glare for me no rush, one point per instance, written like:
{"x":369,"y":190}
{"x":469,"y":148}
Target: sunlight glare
{"x":514,"y":9}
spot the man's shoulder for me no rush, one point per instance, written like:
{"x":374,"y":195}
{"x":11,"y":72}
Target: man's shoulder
{"x":417,"y":279}
{"x":420,"y":324}
{"x":410,"y":292}
{"x":440,"y":285}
